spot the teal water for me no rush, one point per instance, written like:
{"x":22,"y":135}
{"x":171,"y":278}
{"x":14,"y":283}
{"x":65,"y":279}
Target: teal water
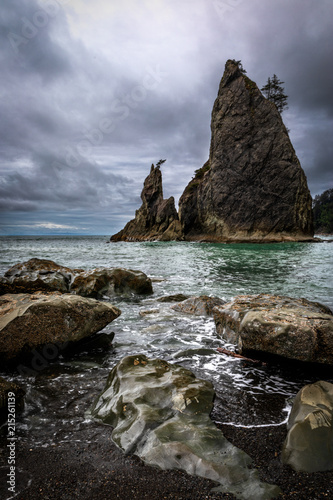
{"x":60,"y":394}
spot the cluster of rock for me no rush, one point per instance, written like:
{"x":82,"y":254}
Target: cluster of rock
{"x":45,"y":306}
{"x":48,"y":276}
{"x":252,"y":188}
{"x":160,"y":412}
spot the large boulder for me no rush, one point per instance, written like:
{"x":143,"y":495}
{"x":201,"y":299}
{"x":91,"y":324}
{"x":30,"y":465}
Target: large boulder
{"x":29,"y":321}
{"x":309,"y":443}
{"x":35,"y":275}
{"x":48,"y":276}
{"x":160,"y":412}
{"x":292,"y":328}
{"x":252,"y":188}
{"x":200,"y":306}
{"x":99,"y":282}
{"x":156,"y":219}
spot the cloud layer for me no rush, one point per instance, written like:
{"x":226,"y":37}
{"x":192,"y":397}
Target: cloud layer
{"x":92,"y":93}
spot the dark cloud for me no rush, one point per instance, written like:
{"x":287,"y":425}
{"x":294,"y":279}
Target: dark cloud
{"x":92,"y":94}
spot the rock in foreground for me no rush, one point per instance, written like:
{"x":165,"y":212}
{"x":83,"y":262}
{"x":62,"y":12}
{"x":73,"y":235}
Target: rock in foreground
{"x":292,"y":328}
{"x":309,"y":443}
{"x":160,"y":412}
{"x":31,"y":321}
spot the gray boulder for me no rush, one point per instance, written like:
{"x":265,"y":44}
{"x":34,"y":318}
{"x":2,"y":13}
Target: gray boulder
{"x":99,"y":282}
{"x":309,"y":443}
{"x":48,"y":276}
{"x":36,"y":275}
{"x":160,"y":412}
{"x":199,"y":306}
{"x":30,"y":321}
{"x":292,"y":328}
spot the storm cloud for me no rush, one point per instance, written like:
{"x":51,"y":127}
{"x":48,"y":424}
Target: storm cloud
{"x":92,"y":93}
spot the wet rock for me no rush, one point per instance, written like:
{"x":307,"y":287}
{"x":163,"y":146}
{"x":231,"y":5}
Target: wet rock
{"x":160,"y":412}
{"x":100,"y":282}
{"x":16,"y":402}
{"x":47,"y":276}
{"x":148,"y":312}
{"x":178,"y":297}
{"x":200,"y":306}
{"x":35,"y":275}
{"x":29,"y":321}
{"x":292,"y":328}
{"x":309,"y":443}
{"x":156,"y":219}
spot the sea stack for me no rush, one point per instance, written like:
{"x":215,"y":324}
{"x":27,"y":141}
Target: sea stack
{"x":156,"y":219}
{"x":253,"y":187}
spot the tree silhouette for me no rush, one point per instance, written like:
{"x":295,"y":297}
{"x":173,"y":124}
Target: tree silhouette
{"x":274,"y":92}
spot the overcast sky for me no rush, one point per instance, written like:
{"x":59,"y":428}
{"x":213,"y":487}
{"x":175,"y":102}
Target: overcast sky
{"x":93,"y":92}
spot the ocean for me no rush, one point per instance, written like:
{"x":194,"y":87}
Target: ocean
{"x":58,"y":397}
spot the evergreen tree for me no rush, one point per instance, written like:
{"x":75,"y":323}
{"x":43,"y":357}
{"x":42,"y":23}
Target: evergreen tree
{"x":273,"y":91}
{"x":323,"y":212}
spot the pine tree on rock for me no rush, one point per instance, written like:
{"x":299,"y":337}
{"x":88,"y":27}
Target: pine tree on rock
{"x":274,"y":92}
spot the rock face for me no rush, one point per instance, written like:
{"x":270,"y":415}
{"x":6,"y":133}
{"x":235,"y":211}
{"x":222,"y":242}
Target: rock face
{"x":30,"y":321}
{"x":252,"y":188}
{"x":156,"y":219}
{"x":48,"y":276}
{"x":309,"y":443}
{"x":160,"y":412}
{"x":292,"y":328}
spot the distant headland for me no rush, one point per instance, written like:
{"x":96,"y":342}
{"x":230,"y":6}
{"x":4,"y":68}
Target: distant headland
{"x":251,"y":189}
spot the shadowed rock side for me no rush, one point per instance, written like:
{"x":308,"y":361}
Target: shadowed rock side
{"x":253,"y":187}
{"x":160,"y":412}
{"x":156,"y":219}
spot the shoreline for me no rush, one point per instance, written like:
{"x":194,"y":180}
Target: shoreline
{"x":89,"y":465}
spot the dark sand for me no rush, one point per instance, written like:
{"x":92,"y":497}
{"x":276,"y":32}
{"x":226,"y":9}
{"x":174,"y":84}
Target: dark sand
{"x":90,"y":466}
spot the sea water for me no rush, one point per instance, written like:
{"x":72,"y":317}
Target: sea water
{"x":59,"y":395}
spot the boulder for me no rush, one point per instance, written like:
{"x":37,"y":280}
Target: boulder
{"x":47,"y":276}
{"x":177,"y":297}
{"x":160,"y":412}
{"x":252,"y":188}
{"x":99,"y":282}
{"x":309,"y":443}
{"x":156,"y":219}
{"x":200,"y":306}
{"x":29,"y":321}
{"x":35,"y":275}
{"x":292,"y":328}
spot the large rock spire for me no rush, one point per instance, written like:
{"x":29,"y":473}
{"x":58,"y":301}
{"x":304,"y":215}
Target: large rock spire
{"x":252,"y":188}
{"x":156,"y":219}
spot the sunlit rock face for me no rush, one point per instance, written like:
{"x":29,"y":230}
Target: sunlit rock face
{"x":252,"y":188}
{"x":160,"y":412}
{"x":309,"y":443}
